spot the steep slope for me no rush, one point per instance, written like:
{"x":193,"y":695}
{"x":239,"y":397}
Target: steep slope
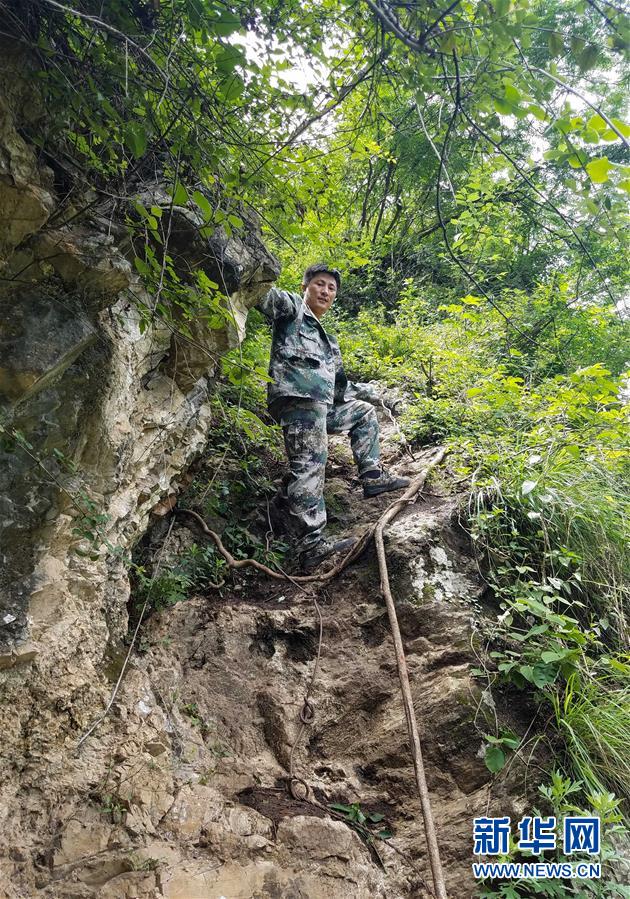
{"x":182,"y":791}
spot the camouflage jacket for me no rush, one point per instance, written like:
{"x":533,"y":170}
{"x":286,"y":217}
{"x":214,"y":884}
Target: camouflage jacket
{"x":305,"y":359}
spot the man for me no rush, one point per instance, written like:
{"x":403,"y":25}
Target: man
{"x":311,"y":396}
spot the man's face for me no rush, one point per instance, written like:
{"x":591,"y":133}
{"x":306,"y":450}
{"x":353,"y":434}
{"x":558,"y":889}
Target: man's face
{"x":321,"y":290}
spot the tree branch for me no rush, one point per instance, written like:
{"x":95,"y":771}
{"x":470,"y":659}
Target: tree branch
{"x":438,"y":207}
{"x":597,"y":109}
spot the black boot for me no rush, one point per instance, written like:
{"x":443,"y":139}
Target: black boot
{"x":314,"y":556}
{"x":381,"y":483}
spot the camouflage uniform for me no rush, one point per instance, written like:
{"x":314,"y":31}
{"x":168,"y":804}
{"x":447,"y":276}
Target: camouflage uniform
{"x":310,"y":396}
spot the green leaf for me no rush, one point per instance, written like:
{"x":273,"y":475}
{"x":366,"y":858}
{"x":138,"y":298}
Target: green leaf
{"x":503,"y":107}
{"x":494,"y":759}
{"x":588,"y":58}
{"x":512,"y":94}
{"x":447,"y":43}
{"x":618,"y":666}
{"x":375,"y":817}
{"x":226,"y":24}
{"x":621,"y":127}
{"x":228,"y":58}
{"x":340,"y":807}
{"x":537,"y":111}
{"x":551,"y":656}
{"x":555,"y":43}
{"x":527,"y":672}
{"x":597,"y":123}
{"x":141,"y":267}
{"x":542,"y":676}
{"x":180,"y":195}
{"x":598,"y":170}
{"x":135,"y":138}
{"x":232,"y":88}
{"x":508,"y":892}
{"x":578,"y":160}
{"x":590,"y":136}
{"x":203,"y":204}
{"x":538,"y":629}
{"x":235,"y":220}
{"x":577,"y":44}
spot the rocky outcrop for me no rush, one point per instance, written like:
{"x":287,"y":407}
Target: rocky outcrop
{"x":94,"y":403}
{"x":100,"y":413}
{"x":26,"y":198}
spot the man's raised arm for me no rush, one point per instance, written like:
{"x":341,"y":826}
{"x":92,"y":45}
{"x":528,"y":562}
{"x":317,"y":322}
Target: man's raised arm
{"x":279,"y":304}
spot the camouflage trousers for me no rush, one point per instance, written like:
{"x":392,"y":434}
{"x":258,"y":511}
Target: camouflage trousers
{"x":305,"y":425}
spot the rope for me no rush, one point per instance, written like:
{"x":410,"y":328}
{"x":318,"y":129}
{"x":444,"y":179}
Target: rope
{"x":307,"y":713}
{"x":298,"y":787}
{"x":407,"y":498}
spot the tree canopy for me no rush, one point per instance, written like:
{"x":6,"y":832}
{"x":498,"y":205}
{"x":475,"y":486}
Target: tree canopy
{"x":483,"y":141}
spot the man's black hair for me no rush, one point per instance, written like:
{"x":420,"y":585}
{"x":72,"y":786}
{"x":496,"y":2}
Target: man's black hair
{"x":320,"y":268}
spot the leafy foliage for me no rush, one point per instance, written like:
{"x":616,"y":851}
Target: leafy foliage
{"x":561,"y":796}
{"x":543,"y":442}
{"x":355,"y":815}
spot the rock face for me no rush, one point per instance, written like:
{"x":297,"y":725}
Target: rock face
{"x":182,"y":790}
{"x":84,"y":388}
{"x":98,"y":417}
